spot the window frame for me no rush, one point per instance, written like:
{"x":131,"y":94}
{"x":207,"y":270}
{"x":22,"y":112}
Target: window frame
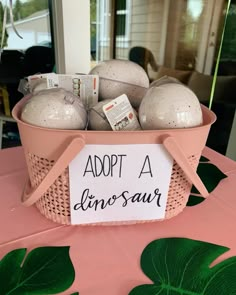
{"x":105,"y":26}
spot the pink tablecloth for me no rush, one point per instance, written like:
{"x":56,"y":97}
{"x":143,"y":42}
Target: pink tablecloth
{"x":107,"y":259}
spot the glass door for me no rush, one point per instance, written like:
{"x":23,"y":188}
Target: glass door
{"x":178,"y":37}
{"x":21,"y":57}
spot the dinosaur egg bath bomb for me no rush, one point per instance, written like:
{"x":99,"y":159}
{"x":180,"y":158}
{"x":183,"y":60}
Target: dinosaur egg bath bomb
{"x":55,"y":108}
{"x":164,"y":80}
{"x":117,"y":77}
{"x":97,"y":118}
{"x":169,"y":106}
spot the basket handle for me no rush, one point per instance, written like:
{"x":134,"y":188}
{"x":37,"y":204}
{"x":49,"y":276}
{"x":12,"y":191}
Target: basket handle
{"x":32,"y":195}
{"x":176,"y":152}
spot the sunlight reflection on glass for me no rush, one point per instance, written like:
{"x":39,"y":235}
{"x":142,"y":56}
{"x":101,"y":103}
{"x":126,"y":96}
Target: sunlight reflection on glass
{"x":195,"y":7}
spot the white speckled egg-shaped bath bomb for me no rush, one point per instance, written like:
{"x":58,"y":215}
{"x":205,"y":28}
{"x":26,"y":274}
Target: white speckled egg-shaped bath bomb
{"x":117,"y":77}
{"x":55,"y":108}
{"x":170,"y":106}
{"x":97,"y":118}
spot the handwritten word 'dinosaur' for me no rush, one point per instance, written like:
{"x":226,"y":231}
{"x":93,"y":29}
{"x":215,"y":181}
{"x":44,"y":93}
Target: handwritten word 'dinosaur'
{"x":90,"y":201}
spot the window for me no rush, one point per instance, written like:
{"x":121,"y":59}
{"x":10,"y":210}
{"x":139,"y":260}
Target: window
{"x":121,"y":15}
{"x":122,"y":31}
{"x":31,"y":19}
{"x":122,"y":34}
{"x":229,"y":44}
{"x":21,"y":58}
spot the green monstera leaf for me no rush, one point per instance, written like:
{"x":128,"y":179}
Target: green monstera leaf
{"x":179,"y":266}
{"x":210,"y":176}
{"x":44,"y":270}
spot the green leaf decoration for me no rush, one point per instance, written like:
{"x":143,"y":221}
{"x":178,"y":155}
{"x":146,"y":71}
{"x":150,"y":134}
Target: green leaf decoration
{"x":45,"y":270}
{"x":194,"y":200}
{"x":179,"y":266}
{"x":210,"y":176}
{"x":203,"y":159}
{"x":10,"y":270}
{"x":76,"y":293}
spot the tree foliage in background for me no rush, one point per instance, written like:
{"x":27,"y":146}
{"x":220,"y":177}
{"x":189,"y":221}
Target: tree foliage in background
{"x":93,"y":23}
{"x":22,"y":10}
{"x":229,"y":42}
{"x":17,"y":10}
{"x":1,"y":25}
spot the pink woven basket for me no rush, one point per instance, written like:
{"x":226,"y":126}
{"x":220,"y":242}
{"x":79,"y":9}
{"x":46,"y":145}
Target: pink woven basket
{"x":48,"y":153}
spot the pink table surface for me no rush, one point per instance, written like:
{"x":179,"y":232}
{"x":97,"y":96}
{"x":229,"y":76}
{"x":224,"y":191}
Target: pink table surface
{"x":107,"y":258}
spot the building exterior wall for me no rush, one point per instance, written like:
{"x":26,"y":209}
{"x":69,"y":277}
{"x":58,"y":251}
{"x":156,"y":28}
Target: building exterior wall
{"x":33,"y":31}
{"x":145,"y":28}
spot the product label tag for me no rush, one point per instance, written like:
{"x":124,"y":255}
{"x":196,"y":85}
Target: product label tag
{"x":85,"y":86}
{"x":121,"y":115}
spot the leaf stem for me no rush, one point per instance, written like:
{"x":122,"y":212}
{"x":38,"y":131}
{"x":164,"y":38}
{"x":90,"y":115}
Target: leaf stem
{"x":20,"y":284}
{"x":178,"y":290}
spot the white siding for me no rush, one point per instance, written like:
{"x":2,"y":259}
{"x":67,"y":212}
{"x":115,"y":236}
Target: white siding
{"x":33,"y":31}
{"x":146,"y":29}
{"x":146,"y":26}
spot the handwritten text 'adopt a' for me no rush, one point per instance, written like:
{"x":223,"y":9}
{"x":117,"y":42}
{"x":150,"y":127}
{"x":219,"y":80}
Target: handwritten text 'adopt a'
{"x":111,"y":183}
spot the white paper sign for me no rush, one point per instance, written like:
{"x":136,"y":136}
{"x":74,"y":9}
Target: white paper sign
{"x":119,"y":183}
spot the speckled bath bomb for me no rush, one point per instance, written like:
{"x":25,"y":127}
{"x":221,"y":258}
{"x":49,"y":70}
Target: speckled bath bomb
{"x":117,"y":77}
{"x":170,"y":106}
{"x":164,"y":80}
{"x":97,"y":118}
{"x":55,"y":108}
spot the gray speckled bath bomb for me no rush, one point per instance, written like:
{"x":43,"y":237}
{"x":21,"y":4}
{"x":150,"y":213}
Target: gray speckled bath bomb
{"x":97,"y":118}
{"x":170,"y":106}
{"x":55,"y":108}
{"x":117,"y":77}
